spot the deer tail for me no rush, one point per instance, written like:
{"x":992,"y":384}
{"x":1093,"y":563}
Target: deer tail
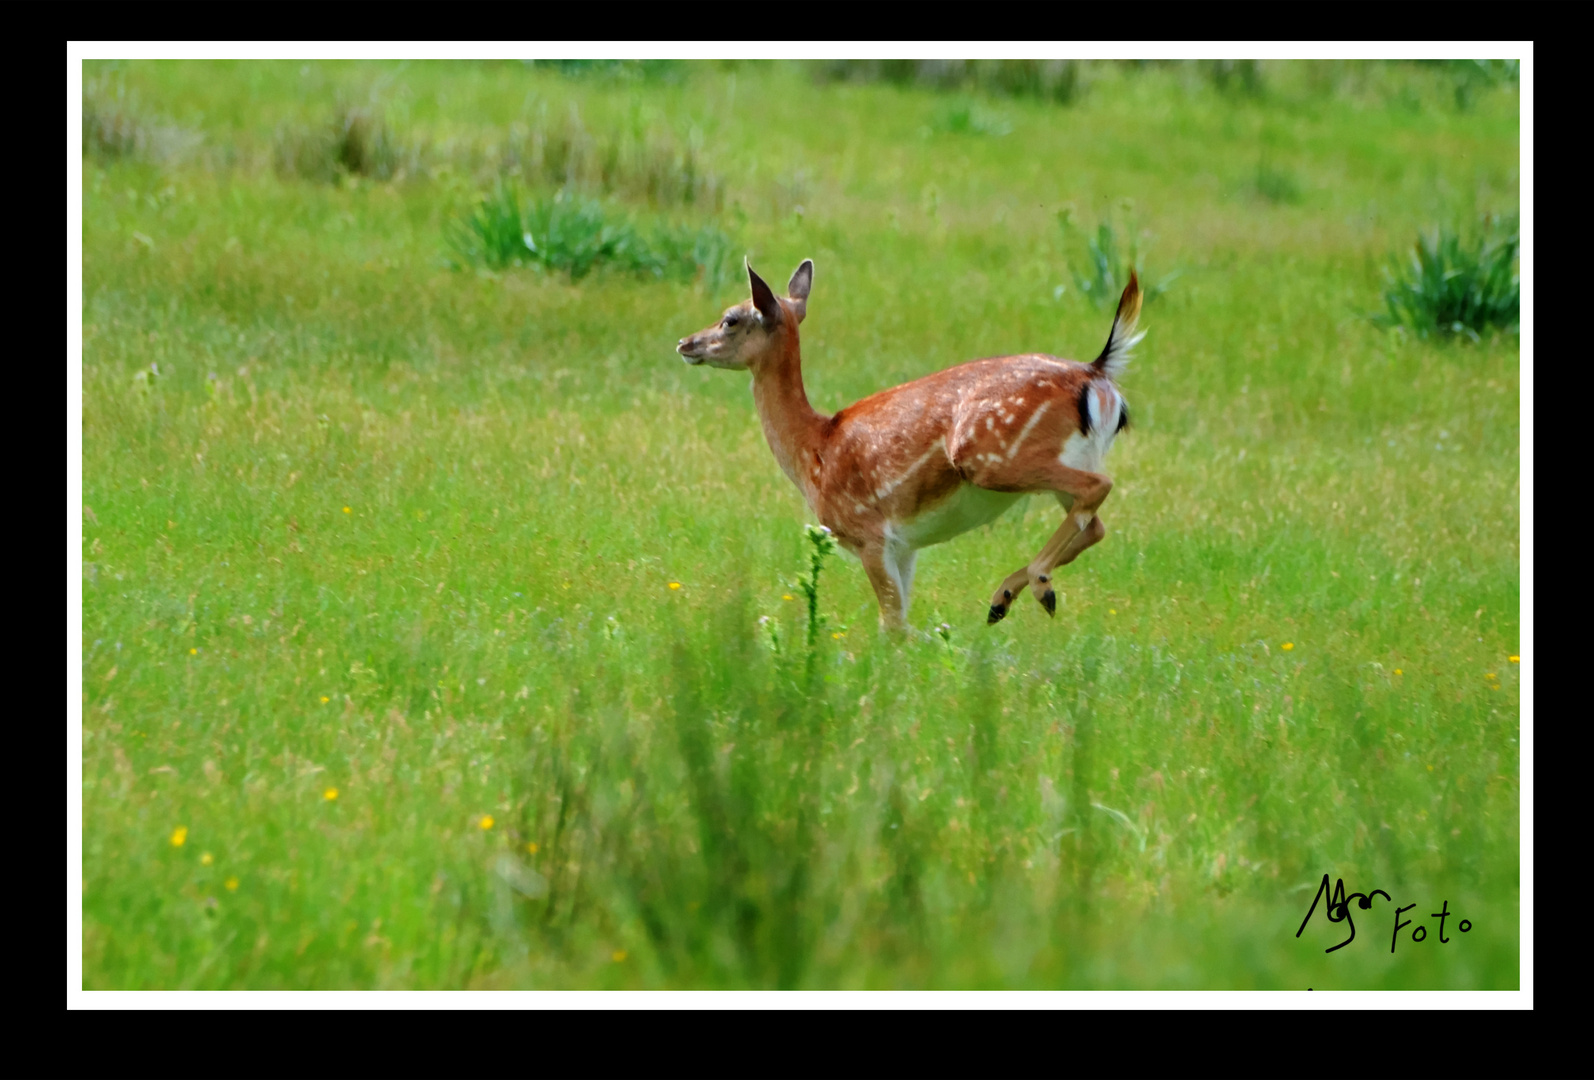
{"x":1123,"y":338}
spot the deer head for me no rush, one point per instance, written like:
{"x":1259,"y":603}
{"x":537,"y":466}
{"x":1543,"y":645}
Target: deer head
{"x":757,"y":331}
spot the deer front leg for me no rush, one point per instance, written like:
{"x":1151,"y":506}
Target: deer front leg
{"x":890,"y":571}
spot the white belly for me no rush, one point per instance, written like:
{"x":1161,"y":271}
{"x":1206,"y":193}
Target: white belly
{"x":967,"y":508}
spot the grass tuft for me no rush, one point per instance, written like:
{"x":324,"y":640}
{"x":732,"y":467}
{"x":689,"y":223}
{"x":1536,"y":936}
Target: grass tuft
{"x":1275,"y":184}
{"x":1106,"y":265}
{"x":573,"y":235}
{"x":1457,"y":284}
{"x":357,"y":141}
{"x":115,"y":126}
{"x":965,"y":117}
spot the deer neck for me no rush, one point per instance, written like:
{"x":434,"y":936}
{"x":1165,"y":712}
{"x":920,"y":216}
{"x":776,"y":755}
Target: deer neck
{"x":792,"y":427}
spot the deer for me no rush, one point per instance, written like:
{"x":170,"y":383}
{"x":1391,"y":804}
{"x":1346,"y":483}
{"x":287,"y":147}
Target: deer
{"x":921,"y":463}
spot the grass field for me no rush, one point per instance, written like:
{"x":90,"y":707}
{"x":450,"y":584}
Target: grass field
{"x":438,"y":622}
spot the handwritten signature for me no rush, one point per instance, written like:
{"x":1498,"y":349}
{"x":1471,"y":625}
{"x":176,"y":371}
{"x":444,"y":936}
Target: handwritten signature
{"x":1338,"y":909}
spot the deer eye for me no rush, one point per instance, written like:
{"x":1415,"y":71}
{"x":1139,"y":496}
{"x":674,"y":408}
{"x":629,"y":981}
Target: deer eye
{"x":730,"y":321}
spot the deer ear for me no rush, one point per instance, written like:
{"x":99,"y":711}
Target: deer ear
{"x":802,"y":280}
{"x":763,"y":298}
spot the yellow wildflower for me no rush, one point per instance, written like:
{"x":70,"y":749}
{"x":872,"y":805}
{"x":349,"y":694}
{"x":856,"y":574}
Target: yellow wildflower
{"x":837,"y":635}
{"x":1491,"y":675}
{"x":532,"y":847}
{"x":193,"y":652}
{"x":330,"y":794}
{"x":487,"y":822}
{"x":1112,"y":611}
{"x":675,"y":585}
{"x":325,"y":699}
{"x":787,"y":596}
{"x":346,"y":510}
{"x":619,"y":956}
{"x":1515,"y":659}
{"x":206,"y":859}
{"x":1398,"y":671}
{"x":1287,"y":646}
{"x":179,"y":836}
{"x":232,"y":884}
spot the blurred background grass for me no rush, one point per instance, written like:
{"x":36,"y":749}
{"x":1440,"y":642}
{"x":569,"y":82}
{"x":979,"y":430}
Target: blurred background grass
{"x":435,"y":617}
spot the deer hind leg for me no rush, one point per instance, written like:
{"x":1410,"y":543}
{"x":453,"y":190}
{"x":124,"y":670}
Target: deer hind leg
{"x":1015,"y":583}
{"x":1081,"y":492}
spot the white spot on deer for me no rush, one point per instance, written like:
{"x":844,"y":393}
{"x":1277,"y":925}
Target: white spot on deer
{"x":990,"y":424}
{"x":885,"y":489}
{"x":1028,"y":427}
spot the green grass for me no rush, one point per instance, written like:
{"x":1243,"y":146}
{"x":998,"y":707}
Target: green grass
{"x":357,"y":521}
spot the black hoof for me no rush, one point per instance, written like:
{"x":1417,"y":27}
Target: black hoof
{"x":1049,"y":602}
{"x":997,"y":615}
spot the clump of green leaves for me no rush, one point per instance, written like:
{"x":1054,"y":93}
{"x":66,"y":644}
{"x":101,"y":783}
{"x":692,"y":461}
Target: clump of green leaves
{"x":572,"y":235}
{"x":1455,"y":283}
{"x":1102,"y":271}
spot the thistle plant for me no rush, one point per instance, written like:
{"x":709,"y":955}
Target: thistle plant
{"x":823,"y":543}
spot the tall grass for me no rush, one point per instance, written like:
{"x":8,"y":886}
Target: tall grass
{"x":1456,"y":282}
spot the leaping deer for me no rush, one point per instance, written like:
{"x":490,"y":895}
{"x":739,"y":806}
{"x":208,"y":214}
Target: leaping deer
{"x":918,"y":464}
